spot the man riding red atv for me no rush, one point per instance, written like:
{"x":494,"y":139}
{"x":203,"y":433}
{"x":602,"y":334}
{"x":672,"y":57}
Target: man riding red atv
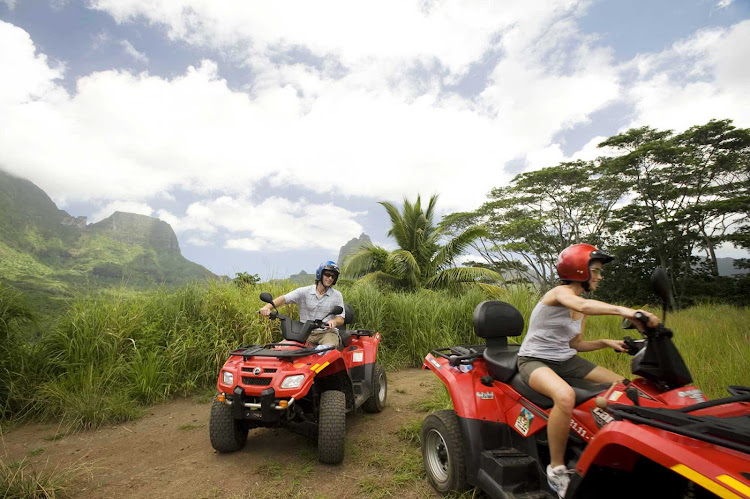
{"x":655,"y":436}
{"x":294,"y":384}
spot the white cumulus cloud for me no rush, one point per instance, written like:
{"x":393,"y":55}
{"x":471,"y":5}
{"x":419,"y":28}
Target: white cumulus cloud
{"x":275,"y":224}
{"x":133,"y":52}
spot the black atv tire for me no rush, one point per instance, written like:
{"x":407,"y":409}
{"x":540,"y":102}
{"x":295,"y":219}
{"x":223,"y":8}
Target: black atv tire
{"x":376,"y":402}
{"x":331,"y":427}
{"x":227,"y":434}
{"x":442,"y":454}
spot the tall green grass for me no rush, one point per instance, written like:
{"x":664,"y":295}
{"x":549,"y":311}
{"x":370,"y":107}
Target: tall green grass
{"x":20,"y":480}
{"x":111,"y":353}
{"x":414,"y":323}
{"x":714,"y":341}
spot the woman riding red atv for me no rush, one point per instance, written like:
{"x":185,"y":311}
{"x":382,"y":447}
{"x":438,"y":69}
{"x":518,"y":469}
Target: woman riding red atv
{"x":547,"y":356}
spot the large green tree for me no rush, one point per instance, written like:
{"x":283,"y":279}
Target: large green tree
{"x":423,"y":259}
{"x":541,"y":212}
{"x":689,"y":193}
{"x":663,"y":199}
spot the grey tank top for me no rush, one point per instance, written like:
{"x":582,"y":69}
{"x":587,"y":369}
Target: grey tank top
{"x":549,"y":334}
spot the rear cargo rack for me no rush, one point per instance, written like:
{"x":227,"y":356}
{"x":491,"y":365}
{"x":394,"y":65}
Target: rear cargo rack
{"x":730,"y":432}
{"x":464,"y":354}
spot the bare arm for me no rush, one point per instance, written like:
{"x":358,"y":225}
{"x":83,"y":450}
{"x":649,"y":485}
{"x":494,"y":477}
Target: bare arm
{"x":337,"y":321}
{"x":581,"y":345}
{"x":277,"y":302}
{"x":566,"y":297}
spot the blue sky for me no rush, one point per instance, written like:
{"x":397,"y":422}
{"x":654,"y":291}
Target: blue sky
{"x":265,"y":133}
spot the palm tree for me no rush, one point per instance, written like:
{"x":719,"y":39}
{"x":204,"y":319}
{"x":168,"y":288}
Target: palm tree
{"x":420,"y":261}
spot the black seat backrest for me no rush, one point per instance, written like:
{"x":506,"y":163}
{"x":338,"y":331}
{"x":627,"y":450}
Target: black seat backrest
{"x":495,"y":321}
{"x":346,"y":336}
{"x":348,"y":314}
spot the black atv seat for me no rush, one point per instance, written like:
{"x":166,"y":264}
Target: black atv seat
{"x":344,"y":335}
{"x":583,"y":389}
{"x":495,"y":321}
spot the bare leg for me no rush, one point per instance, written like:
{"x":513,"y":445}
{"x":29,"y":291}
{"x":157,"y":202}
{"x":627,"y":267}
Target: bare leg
{"x":545,"y":381}
{"x":602,"y":375}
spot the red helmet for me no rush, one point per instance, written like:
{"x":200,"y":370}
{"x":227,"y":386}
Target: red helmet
{"x":573,"y":262}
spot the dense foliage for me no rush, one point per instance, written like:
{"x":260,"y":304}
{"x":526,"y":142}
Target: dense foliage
{"x":661,"y":199}
{"x":113,"y":352}
{"x":423,"y":260}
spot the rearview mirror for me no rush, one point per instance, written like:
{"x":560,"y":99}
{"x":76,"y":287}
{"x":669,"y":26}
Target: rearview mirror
{"x":266,"y":297}
{"x":662,"y":288}
{"x":336,"y":310}
{"x":661,"y":285}
{"x":627,"y":324}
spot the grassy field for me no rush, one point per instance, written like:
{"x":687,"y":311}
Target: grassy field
{"x":113,"y":353}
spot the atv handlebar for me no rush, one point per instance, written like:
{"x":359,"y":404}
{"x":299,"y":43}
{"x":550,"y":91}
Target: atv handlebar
{"x":632,"y":346}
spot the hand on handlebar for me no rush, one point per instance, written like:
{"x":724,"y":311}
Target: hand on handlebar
{"x":616,"y":345}
{"x":264,"y":311}
{"x":643,"y":318}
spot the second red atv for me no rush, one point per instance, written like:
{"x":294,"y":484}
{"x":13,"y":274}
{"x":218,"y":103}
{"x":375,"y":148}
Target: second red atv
{"x":653,"y":437}
{"x":293,"y":384}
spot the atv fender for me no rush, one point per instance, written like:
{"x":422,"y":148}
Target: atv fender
{"x":471,"y":398}
{"x":621,"y":444}
{"x":333,"y":376}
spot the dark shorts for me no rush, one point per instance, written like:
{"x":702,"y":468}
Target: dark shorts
{"x":575,"y":367}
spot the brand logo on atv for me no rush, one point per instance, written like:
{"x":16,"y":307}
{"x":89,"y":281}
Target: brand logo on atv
{"x":257,"y":371}
{"x":434,"y":362}
{"x":601,"y":417}
{"x":579,"y":429}
{"x":523,"y":421}
{"x":696,"y":395}
{"x":485,"y":395}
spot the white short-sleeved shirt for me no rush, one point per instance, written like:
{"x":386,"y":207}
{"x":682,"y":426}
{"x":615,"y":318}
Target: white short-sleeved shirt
{"x":311,"y":306}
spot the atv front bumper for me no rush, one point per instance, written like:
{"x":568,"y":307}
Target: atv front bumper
{"x":265,"y":409}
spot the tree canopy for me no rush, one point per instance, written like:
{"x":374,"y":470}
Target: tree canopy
{"x":423,"y":258}
{"x":662,"y":199}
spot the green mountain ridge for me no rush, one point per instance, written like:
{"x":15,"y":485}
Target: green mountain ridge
{"x":51,"y":255}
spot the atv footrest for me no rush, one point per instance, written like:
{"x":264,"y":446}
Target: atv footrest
{"x":513,"y":471}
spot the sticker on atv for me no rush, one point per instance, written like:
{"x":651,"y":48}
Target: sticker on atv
{"x":435,"y":363}
{"x":615,"y":395}
{"x":523,"y":422}
{"x":601,"y":417}
{"x":358,"y":356}
{"x":696,"y":395}
{"x":485,"y":395}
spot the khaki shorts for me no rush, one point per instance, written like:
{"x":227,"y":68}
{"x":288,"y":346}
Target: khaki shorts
{"x":323,"y":337}
{"x":574,"y":368}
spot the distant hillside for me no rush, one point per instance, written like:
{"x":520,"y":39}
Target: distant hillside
{"x":47,"y":253}
{"x":726,"y":267}
{"x":352,"y":247}
{"x":303,"y":278}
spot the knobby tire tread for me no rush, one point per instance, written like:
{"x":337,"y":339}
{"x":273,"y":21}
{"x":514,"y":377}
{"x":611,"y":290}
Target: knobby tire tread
{"x":446,"y":423}
{"x":373,"y":403}
{"x":331,"y":427}
{"x":227,"y":434}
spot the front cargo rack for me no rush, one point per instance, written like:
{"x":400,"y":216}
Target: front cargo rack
{"x":730,"y":432}
{"x":290,"y":350}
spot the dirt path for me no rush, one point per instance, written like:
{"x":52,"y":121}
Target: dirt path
{"x":167,"y":454}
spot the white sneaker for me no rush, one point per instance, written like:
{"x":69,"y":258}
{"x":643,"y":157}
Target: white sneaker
{"x":558,"y":479}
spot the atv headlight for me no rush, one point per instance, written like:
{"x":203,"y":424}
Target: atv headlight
{"x":293,"y":381}
{"x":227,"y":378}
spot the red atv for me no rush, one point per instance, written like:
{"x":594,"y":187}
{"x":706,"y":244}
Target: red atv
{"x":655,"y":436}
{"x":307,"y":389}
